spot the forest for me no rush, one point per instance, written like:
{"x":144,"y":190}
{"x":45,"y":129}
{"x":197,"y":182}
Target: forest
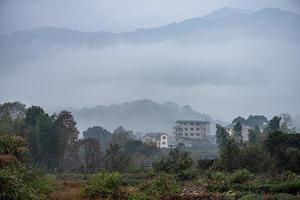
{"x":42,"y":156}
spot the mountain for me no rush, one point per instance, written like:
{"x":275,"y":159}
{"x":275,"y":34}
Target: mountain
{"x":139,"y":116}
{"x":252,"y":120}
{"x":226,"y":11}
{"x":222,"y":25}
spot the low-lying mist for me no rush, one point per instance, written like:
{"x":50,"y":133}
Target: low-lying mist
{"x":234,"y":77}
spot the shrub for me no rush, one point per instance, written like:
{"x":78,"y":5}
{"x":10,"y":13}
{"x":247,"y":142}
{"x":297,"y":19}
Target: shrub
{"x":283,"y":196}
{"x":162,"y":187}
{"x":205,"y":164}
{"x":21,"y":183}
{"x":252,"y":196}
{"x":105,"y":185}
{"x":15,"y":145}
{"x":188,"y":174}
{"x":176,"y":161}
{"x":288,"y":176}
{"x":219,"y":176}
{"x":240,"y":176}
{"x":7,"y":160}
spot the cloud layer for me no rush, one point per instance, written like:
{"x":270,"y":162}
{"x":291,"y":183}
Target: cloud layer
{"x":227,"y":79}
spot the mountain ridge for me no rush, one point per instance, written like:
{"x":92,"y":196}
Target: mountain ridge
{"x":266,"y":24}
{"x":140,"y":116}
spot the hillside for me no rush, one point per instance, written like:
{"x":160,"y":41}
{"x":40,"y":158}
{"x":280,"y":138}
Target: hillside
{"x":221,"y":25}
{"x":139,"y":116}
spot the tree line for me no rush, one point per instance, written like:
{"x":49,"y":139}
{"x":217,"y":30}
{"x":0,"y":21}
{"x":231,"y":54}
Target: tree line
{"x":275,"y":148}
{"x":54,"y":145}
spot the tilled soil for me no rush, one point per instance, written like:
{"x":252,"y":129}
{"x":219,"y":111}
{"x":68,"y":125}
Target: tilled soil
{"x":199,"y":193}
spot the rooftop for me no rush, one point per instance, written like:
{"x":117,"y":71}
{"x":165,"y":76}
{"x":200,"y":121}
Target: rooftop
{"x":155,"y":134}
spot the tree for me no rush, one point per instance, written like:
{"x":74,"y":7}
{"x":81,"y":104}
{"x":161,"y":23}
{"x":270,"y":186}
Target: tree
{"x":92,"y":154}
{"x":273,"y":125}
{"x":283,"y":148}
{"x":176,"y":161}
{"x":6,"y":124}
{"x":253,"y":158}
{"x":137,"y":147}
{"x":237,"y":133}
{"x":67,"y":134}
{"x":15,"y":109}
{"x":121,"y":136}
{"x":101,"y":134}
{"x":115,"y":160}
{"x":31,"y":132}
{"x":47,"y":142}
{"x":221,"y":135}
{"x":42,"y":138}
{"x":254,"y":135}
{"x":228,"y":155}
{"x":286,"y":118}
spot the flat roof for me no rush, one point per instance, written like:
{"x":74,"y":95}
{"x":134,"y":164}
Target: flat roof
{"x":191,"y":121}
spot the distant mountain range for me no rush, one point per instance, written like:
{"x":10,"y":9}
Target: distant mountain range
{"x":221,"y":25}
{"x":140,"y":116}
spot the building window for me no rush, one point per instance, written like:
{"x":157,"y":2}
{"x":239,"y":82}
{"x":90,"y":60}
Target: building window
{"x":163,"y":143}
{"x":163,"y":137}
{"x":198,"y":124}
{"x":198,"y":134}
{"x":186,"y":134}
{"x":185,"y":129}
{"x":192,"y":124}
{"x":192,"y":134}
{"x":198,"y":129}
{"x":192,"y":129}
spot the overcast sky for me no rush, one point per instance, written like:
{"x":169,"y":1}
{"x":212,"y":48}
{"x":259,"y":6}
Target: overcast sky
{"x":116,"y":15}
{"x":240,"y":76}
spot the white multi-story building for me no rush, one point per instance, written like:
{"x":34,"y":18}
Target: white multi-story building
{"x":188,"y":130}
{"x":159,"y":140}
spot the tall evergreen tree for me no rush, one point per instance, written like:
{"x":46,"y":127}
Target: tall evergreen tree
{"x":273,"y":125}
{"x":237,"y":133}
{"x":221,"y":135}
{"x":67,"y":133}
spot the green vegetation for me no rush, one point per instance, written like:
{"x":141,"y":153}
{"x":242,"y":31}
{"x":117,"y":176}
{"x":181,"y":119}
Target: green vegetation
{"x":21,"y":183}
{"x":105,"y":185}
{"x":42,"y":157}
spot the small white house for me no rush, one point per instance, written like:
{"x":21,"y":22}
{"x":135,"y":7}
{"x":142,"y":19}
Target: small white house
{"x":160,"y":140}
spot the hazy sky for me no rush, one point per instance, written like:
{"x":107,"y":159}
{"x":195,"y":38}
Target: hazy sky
{"x":116,"y":15}
{"x":239,"y":76}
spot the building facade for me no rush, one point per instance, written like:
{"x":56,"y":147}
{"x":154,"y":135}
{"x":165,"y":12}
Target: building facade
{"x":160,"y":140}
{"x":186,"y":131}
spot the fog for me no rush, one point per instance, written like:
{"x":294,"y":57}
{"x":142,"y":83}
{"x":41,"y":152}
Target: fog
{"x":225,"y":78}
{"x":212,"y":78}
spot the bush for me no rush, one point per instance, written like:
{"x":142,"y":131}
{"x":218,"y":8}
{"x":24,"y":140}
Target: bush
{"x":283,"y":196}
{"x":162,"y":187}
{"x":176,"y":161}
{"x":21,"y":183}
{"x":205,"y":164}
{"x":219,"y":176}
{"x":240,"y":176}
{"x":105,"y":185}
{"x":188,"y":174}
{"x":252,"y":196}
